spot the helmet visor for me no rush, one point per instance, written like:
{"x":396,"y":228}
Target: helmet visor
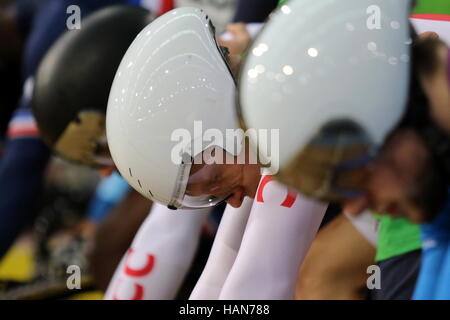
{"x":212,"y":177}
{"x":333,"y":167}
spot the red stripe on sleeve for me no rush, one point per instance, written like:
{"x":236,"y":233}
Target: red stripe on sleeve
{"x":436,"y":17}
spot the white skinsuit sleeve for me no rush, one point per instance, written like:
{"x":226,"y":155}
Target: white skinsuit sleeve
{"x":223,"y":253}
{"x":279,"y":233}
{"x":160,"y":256}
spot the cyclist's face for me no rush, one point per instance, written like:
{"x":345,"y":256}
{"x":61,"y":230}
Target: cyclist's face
{"x":231,"y":182}
{"x":394,"y":183}
{"x":437,"y":88}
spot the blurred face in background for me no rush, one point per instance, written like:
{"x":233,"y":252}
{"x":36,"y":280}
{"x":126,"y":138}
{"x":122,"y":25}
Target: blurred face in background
{"x":404,"y":180}
{"x":435,"y":81}
{"x":84,"y":141}
{"x":399,"y":180}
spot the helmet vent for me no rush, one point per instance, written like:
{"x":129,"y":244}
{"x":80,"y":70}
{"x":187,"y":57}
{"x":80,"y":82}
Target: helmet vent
{"x":131,"y":175}
{"x":140,"y":185}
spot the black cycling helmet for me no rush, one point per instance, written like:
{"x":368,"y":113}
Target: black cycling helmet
{"x":73,"y":82}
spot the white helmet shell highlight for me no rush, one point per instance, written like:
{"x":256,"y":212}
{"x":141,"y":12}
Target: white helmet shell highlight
{"x":172,"y":75}
{"x":319,"y":61}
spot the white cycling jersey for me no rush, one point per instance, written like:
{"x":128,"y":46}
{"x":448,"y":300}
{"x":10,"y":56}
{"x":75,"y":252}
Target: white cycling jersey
{"x":160,"y":256}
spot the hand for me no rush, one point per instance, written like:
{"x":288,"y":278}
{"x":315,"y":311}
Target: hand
{"x":241,"y":39}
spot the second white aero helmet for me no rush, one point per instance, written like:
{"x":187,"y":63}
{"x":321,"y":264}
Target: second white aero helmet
{"x":333,"y":77}
{"x":172,"y":81}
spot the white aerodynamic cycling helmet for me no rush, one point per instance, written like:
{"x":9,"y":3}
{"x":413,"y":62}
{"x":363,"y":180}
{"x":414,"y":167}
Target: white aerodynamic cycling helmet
{"x":333,"y":77}
{"x":173,"y":76}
